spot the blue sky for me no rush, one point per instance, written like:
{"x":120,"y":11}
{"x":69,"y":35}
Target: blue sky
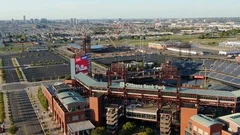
{"x":88,"y":9}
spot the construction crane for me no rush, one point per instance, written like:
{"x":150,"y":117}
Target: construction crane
{"x":115,"y":46}
{"x":116,"y":35}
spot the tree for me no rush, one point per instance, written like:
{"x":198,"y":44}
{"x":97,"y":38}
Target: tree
{"x":142,"y":133}
{"x":99,"y":131}
{"x":147,"y":131}
{"x":42,"y":99}
{"x":202,"y":36}
{"x":207,"y":35}
{"x":24,"y":37}
{"x":12,"y":129}
{"x":128,"y":128}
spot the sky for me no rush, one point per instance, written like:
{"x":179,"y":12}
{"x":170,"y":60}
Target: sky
{"x":103,"y":9}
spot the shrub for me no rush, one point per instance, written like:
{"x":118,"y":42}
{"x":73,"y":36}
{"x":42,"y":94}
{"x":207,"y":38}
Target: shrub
{"x":2,"y":113}
{"x":42,"y":99}
{"x":12,"y":129}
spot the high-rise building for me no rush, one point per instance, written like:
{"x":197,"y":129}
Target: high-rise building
{"x":71,"y":21}
{"x":36,"y":21}
{"x":75,"y":21}
{"x":24,"y":18}
{"x":43,"y":20}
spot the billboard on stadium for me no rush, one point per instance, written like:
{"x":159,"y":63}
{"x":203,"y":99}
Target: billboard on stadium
{"x":198,"y":77}
{"x":82,"y":64}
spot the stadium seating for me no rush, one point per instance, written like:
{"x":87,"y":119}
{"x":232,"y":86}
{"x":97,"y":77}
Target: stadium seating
{"x":220,"y":70}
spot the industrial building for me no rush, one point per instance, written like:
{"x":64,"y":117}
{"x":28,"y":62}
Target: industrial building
{"x":168,"y":44}
{"x":230,"y":44}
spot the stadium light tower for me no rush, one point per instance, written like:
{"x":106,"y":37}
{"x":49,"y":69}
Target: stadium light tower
{"x":205,"y":77}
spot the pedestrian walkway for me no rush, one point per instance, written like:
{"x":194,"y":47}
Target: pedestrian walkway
{"x":7,"y":121}
{"x":47,"y":122}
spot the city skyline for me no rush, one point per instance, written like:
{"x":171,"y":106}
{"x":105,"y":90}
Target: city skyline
{"x":85,"y":9}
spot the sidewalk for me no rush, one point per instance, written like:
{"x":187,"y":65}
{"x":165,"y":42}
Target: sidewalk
{"x":7,"y":121}
{"x":47,"y":123}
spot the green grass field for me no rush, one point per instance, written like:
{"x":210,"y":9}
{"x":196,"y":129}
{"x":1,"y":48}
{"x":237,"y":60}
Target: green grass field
{"x":15,"y":47}
{"x":185,"y":38}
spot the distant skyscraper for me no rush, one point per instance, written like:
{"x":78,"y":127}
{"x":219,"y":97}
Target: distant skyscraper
{"x":71,"y":21}
{"x":43,"y":20}
{"x":24,"y":18}
{"x":31,"y":21}
{"x":75,"y":21}
{"x":36,"y":21}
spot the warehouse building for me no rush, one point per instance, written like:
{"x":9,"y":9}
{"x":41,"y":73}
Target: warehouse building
{"x":232,"y":44}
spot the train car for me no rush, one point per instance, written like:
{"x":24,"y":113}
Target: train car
{"x":185,"y":51}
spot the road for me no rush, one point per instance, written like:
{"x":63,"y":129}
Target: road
{"x":17,"y":86}
{"x":23,"y":114}
{"x":98,"y":68}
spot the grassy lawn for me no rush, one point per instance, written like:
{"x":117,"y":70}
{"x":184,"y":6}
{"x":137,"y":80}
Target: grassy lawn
{"x":19,"y":73}
{"x":15,"y":47}
{"x":152,"y":39}
{"x":184,"y":38}
{"x":126,"y":41}
{"x":214,"y":41}
{"x":2,"y":113}
{"x":27,"y":44}
{"x":2,"y":73}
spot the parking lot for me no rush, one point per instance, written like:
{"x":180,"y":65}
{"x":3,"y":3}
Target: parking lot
{"x":44,"y":65}
{"x":10,"y":73}
{"x":23,"y":114}
{"x":43,"y":58}
{"x":46,"y":72}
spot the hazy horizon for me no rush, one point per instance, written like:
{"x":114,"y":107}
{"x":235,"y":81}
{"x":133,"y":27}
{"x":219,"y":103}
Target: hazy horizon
{"x":110,"y":9}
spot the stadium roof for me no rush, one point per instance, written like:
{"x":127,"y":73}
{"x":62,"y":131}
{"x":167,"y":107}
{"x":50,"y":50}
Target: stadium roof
{"x":91,"y":82}
{"x":235,"y":118}
{"x":85,"y":79}
{"x":208,"y":92}
{"x":204,"y":120}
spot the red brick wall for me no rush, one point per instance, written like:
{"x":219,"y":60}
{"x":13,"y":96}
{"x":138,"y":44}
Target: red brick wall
{"x":186,"y":114}
{"x":216,"y":128}
{"x":62,"y":116}
{"x":209,"y":130}
{"x":97,"y":110}
{"x":48,"y":96}
{"x":225,"y":133}
{"x":199,"y":125}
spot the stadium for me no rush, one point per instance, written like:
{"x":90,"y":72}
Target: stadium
{"x":209,"y":85}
